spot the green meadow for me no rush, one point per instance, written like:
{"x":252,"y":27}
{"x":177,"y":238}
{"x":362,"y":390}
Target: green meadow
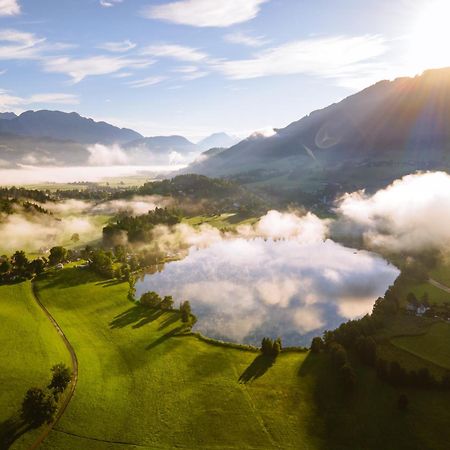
{"x":143,"y":385}
{"x":30,"y":346}
{"x":432,"y":346}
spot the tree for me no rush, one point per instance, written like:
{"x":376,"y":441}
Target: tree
{"x":317,"y":345}
{"x":118,"y":273}
{"x":120,"y":253}
{"x":167,"y":302}
{"x":271,"y":348}
{"x":412,"y":299}
{"x":37,"y":266}
{"x":338,"y":354}
{"x":5,"y":266}
{"x":37,"y":407}
{"x":150,"y":300}
{"x":60,"y":379}
{"x":402,"y":402}
{"x":75,"y":237}
{"x":367,"y":350}
{"x":185,"y":309}
{"x":19,"y":260}
{"x":348,"y":377}
{"x":276,"y":348}
{"x":57,"y":255}
{"x":102,"y":263}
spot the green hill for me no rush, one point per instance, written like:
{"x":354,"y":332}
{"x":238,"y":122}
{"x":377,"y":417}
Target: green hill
{"x":30,"y":346}
{"x":141,"y":386}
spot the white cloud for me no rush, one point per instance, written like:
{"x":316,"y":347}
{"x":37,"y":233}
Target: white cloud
{"x":191,"y":72}
{"x":246,"y":39}
{"x":174,"y":51}
{"x":21,"y":45}
{"x":103,"y":155}
{"x":205,"y":13}
{"x":61,"y":99}
{"x":118,"y":47}
{"x":15,"y":44}
{"x":412,"y":213}
{"x":80,"y":68}
{"x":9,"y":7}
{"x":149,"y":81}
{"x":110,"y":3}
{"x":332,"y":57}
{"x":8,"y":101}
{"x":195,"y":75}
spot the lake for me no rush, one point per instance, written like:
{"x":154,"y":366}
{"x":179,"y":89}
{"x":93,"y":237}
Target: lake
{"x":242,"y":290}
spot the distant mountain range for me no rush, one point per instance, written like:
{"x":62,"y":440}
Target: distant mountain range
{"x":65,"y":127}
{"x":54,"y":137}
{"x":395,"y":126}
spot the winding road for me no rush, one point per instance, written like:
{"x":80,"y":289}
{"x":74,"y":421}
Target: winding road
{"x":68,"y":396}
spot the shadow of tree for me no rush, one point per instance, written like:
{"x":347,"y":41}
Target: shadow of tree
{"x":10,"y":430}
{"x":69,"y":277}
{"x":260,"y":365}
{"x":108,"y":283}
{"x":137,"y":316}
{"x":169,"y":320}
{"x":309,"y":365}
{"x":164,"y":337}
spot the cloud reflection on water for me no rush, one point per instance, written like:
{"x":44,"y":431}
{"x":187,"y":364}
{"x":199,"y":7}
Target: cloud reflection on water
{"x":242,"y":290}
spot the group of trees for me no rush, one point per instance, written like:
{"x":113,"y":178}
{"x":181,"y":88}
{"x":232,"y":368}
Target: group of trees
{"x":39,"y":406}
{"x":271,"y":347}
{"x":19,"y":267}
{"x":393,"y":373}
{"x":154,"y":300}
{"x":138,"y":228}
{"x":357,"y":337}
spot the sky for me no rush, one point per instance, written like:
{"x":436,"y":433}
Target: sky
{"x":194,"y":67}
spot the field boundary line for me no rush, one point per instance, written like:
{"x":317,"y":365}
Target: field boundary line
{"x":48,"y":428}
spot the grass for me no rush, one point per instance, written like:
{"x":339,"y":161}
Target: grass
{"x":442,"y":274}
{"x":142,"y":386}
{"x":436,"y":296}
{"x":30,"y":346}
{"x":432,"y":346}
{"x":221,"y":221}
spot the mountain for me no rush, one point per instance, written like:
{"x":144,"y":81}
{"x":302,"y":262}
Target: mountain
{"x":389,"y":129}
{"x":163,"y":144}
{"x":65,"y":126}
{"x":217,"y":140}
{"x":7,"y":115}
{"x":15,"y":150}
{"x":161,"y":150}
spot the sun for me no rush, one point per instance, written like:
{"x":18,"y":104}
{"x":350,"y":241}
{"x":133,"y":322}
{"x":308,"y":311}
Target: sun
{"x":430,"y":37}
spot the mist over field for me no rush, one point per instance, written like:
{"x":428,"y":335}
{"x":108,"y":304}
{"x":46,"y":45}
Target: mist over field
{"x":30,"y":175}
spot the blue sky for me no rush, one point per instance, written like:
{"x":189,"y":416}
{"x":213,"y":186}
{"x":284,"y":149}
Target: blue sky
{"x":194,"y":67}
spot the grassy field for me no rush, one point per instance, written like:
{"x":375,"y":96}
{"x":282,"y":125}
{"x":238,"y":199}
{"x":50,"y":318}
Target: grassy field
{"x":228,"y":220}
{"x":436,"y":296}
{"x":142,"y":386}
{"x":30,"y":346}
{"x":433,"y":346}
{"x":442,"y":274}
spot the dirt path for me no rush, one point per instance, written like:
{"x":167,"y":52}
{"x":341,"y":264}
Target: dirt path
{"x":68,"y":395}
{"x":440,"y":286}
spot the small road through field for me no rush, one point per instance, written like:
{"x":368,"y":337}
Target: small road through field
{"x":68,"y":395}
{"x":440,"y":286}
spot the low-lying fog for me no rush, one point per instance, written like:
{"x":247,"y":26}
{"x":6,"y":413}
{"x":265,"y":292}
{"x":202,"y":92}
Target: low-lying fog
{"x":242,"y":290}
{"x":28,"y":174}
